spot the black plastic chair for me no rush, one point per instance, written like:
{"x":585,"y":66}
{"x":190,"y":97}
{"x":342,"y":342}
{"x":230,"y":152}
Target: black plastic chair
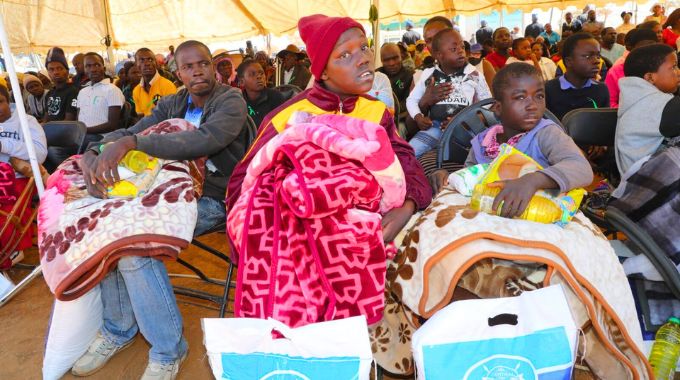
{"x":65,"y":134}
{"x":125,"y":115}
{"x":288,"y":90}
{"x":221,"y":300}
{"x":468,"y":123}
{"x":591,"y":126}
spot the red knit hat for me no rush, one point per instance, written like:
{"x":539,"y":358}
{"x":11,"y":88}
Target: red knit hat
{"x":320,"y":33}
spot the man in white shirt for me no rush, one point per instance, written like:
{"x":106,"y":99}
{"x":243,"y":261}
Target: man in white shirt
{"x":100,"y":102}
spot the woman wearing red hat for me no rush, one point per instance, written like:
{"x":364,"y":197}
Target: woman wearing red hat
{"x":342,"y":64}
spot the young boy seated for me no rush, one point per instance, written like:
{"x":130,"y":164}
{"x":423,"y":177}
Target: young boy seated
{"x":259,"y":99}
{"x":343,"y":65}
{"x":467,"y":87}
{"x":577,"y":88}
{"x":520,"y":103}
{"x":522,"y":48}
{"x":13,"y":145}
{"x":648,"y":110}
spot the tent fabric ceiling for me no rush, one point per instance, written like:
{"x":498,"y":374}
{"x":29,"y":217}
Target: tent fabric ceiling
{"x":40,"y":24}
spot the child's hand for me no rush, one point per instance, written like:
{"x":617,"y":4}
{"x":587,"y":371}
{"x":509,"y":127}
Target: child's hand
{"x":515,"y":195}
{"x":435,"y":93}
{"x":438,"y":179}
{"x":395,"y":220}
{"x":424,"y":123}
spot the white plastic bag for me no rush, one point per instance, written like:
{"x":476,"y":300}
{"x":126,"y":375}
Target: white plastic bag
{"x":244,"y":349}
{"x":527,"y":337}
{"x":73,"y":326}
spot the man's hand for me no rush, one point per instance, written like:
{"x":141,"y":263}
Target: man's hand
{"x":395,"y":220}
{"x":438,"y":179}
{"x":423,"y":122}
{"x":434,"y":93}
{"x":106,"y":166}
{"x":516,"y":194}
{"x":87,"y":164}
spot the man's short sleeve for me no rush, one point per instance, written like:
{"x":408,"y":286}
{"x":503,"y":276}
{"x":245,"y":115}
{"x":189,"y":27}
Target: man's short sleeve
{"x":71,"y":102}
{"x":115,"y":97}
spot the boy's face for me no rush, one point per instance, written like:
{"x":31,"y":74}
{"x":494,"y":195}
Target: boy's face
{"x":503,"y":39}
{"x":537,"y":50}
{"x":349,"y":70}
{"x":94,"y":68}
{"x":5,"y":112}
{"x":253,"y":78}
{"x":659,"y":32}
{"x":667,"y":77}
{"x":57,"y":72}
{"x":523,"y":51}
{"x":521,"y":104}
{"x":585,"y":61}
{"x":35,"y":88}
{"x":451,"y":52}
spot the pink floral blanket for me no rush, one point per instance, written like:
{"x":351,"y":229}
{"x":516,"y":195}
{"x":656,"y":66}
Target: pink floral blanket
{"x":307,"y":224}
{"x":81,"y":237}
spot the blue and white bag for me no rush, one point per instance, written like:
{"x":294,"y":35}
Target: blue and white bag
{"x":532,"y":336}
{"x":246,"y":349}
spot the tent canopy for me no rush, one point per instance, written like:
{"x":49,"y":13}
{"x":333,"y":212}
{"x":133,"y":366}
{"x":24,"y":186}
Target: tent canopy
{"x":80,"y":25}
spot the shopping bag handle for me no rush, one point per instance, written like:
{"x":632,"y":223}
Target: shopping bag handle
{"x":503,"y":319}
{"x":279,"y":330}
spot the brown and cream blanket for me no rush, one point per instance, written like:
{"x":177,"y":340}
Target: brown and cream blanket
{"x":450,"y":250}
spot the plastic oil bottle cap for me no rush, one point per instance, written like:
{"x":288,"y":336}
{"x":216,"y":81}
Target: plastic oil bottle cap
{"x":674,"y":320}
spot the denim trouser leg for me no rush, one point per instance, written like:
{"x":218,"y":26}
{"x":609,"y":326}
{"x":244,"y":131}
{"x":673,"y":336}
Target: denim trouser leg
{"x":211,"y":212}
{"x":144,"y":295}
{"x":425,"y":141}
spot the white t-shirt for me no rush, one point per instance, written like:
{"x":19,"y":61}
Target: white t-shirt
{"x":94,"y":101}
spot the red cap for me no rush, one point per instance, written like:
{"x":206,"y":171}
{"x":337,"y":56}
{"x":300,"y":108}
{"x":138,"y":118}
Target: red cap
{"x":320,"y":33}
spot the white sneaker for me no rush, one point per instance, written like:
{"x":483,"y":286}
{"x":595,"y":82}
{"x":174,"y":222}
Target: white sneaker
{"x":98,"y":354}
{"x":158,"y":371}
{"x":16,"y":257}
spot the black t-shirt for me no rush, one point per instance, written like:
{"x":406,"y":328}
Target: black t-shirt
{"x":401,"y":84}
{"x":410,"y":37}
{"x":61,"y":101}
{"x":533,"y":30}
{"x":268,"y":100}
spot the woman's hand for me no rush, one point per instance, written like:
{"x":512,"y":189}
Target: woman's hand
{"x":395,"y":220}
{"x":438,"y":179}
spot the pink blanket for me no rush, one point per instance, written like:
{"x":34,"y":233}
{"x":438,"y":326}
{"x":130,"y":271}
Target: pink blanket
{"x":81,"y":238}
{"x":308,"y":222}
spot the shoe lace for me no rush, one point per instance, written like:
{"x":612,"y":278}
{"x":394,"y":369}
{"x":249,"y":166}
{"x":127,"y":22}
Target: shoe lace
{"x":105,"y":347}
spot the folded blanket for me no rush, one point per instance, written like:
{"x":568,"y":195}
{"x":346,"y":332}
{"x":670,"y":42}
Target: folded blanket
{"x":452,"y":247}
{"x":307,"y":224}
{"x":81,"y":238}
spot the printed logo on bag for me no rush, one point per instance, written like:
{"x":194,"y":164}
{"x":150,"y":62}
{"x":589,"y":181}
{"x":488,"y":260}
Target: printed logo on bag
{"x":502,"y":367}
{"x":266,"y":366}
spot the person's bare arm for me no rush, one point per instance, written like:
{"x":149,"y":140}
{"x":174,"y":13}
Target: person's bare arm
{"x":111,"y":125}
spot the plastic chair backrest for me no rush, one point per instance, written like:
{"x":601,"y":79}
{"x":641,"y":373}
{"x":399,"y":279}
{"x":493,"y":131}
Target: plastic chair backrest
{"x":468,"y":123}
{"x":251,"y":131}
{"x":65,"y":133}
{"x":589,"y":126}
{"x":125,"y":115}
{"x":288,"y":90}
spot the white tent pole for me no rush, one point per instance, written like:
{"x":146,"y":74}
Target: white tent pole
{"x":9,"y":62}
{"x":376,"y":36}
{"x":18,"y":98}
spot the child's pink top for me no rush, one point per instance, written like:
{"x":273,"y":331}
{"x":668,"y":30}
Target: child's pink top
{"x":612,"y":80}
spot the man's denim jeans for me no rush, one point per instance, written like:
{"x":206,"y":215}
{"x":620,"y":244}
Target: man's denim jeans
{"x":138,"y":296}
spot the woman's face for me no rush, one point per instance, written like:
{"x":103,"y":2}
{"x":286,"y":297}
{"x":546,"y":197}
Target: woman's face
{"x":225,"y":69}
{"x":537,"y":49}
{"x":134,"y":76}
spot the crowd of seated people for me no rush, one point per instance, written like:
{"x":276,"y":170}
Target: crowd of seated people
{"x":584,"y":68}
